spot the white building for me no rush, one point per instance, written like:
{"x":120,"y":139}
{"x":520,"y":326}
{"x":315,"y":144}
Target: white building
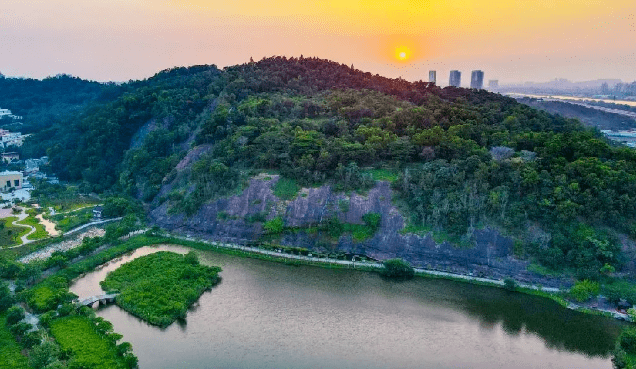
{"x":7,"y":113}
{"x":11,"y":138}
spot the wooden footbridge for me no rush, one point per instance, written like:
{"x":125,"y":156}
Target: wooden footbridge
{"x":102,"y":299}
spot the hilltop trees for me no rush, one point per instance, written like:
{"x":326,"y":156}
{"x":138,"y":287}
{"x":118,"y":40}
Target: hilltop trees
{"x":464,"y":158}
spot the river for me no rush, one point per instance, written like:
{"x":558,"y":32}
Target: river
{"x":574,"y":98}
{"x":271,"y":315}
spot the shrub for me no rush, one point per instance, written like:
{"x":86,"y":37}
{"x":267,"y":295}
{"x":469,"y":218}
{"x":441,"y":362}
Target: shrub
{"x":6,"y":300}
{"x":584,"y":290}
{"x":286,"y":188}
{"x":510,"y":284}
{"x":372,"y":220}
{"x":627,"y":340}
{"x":397,"y":269}
{"x":14,"y":315}
{"x":274,"y":226}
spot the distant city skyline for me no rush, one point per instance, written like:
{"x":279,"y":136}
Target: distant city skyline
{"x":512,"y":42}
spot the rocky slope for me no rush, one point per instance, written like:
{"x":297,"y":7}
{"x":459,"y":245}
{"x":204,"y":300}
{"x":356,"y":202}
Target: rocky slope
{"x":228,"y":219}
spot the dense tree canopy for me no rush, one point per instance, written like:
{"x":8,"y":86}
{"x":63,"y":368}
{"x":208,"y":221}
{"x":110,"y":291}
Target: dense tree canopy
{"x":464,"y":158}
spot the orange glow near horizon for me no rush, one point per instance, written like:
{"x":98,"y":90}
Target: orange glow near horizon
{"x":510,"y":40}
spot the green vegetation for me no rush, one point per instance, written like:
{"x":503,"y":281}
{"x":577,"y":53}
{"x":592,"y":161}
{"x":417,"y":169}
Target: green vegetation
{"x":274,"y":226}
{"x":6,"y":300}
{"x":62,"y":198}
{"x":384,"y":175}
{"x":286,"y":188}
{"x":397,"y":269}
{"x":48,"y":294}
{"x":464,"y":159}
{"x":10,"y":352}
{"x":92,"y":345}
{"x":64,"y":222}
{"x":616,"y":290}
{"x":39,"y":233}
{"x":159,"y":288}
{"x":44,"y":102}
{"x":584,"y":290}
{"x":625,"y":352}
{"x":510,"y":284}
{"x":332,"y":228}
{"x":10,"y":233}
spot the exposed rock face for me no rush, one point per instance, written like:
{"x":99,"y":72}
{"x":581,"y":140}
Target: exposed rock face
{"x":491,"y":255}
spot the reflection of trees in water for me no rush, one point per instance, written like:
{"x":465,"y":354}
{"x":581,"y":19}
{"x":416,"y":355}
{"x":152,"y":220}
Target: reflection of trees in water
{"x":560,"y":328}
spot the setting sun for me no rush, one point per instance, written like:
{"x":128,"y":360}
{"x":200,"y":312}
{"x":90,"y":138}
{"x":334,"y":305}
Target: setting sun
{"x":402,"y":53}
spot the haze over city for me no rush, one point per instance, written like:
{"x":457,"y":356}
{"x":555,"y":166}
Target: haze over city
{"x":511,"y":41}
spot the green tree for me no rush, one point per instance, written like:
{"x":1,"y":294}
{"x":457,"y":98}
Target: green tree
{"x":397,"y":269}
{"x":14,"y":315}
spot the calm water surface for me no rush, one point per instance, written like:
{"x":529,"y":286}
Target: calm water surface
{"x":269,"y":315}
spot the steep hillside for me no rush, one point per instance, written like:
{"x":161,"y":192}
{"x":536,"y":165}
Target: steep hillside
{"x":193,"y":142}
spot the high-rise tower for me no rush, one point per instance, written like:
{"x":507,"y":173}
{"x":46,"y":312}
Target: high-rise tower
{"x":455,"y":78}
{"x":477,"y":79}
{"x":432,"y":76}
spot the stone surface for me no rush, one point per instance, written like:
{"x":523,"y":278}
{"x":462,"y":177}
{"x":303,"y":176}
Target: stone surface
{"x":225,"y":219}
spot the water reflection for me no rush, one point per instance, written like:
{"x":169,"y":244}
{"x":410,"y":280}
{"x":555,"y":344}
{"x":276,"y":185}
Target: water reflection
{"x":267,"y":315}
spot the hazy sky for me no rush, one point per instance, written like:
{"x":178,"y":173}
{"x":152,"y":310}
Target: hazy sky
{"x":511,"y":40}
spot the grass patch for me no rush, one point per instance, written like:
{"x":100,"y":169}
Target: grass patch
{"x":10,"y":234}
{"x":68,"y":221}
{"x":40,"y":231}
{"x":48,"y":294}
{"x":383,"y":175}
{"x":438,"y":236}
{"x":541,"y":270}
{"x":10,"y":350}
{"x":159,"y":288}
{"x":90,"y":349}
{"x":286,"y":188}
{"x":332,"y":228}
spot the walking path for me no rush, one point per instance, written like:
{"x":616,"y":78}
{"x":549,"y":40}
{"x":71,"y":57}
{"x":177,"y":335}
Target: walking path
{"x":48,"y":226}
{"x":53,"y":212}
{"x":66,"y":245}
{"x":354,"y":264}
{"x":22,"y":216}
{"x":92,"y":224}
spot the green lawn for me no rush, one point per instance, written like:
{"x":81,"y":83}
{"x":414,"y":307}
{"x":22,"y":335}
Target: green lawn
{"x":10,"y":356}
{"x":10,"y":234}
{"x":286,"y":188}
{"x":68,"y":221}
{"x":40,"y":231}
{"x":383,"y":175}
{"x":89,"y":349}
{"x":159,"y":288}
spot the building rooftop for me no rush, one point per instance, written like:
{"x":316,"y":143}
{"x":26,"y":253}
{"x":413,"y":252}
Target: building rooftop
{"x":9,"y":173}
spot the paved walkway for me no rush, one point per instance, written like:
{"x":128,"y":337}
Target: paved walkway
{"x":361,"y":264}
{"x":22,"y":216}
{"x":92,"y":224}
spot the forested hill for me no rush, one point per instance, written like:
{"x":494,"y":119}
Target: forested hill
{"x":459,"y":159}
{"x":45,"y":102}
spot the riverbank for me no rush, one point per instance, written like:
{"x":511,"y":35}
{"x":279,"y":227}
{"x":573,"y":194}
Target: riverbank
{"x":357,"y":263}
{"x":554,"y":294}
{"x":263,"y":313}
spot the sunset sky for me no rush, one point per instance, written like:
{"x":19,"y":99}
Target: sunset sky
{"x":511,"y":40}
